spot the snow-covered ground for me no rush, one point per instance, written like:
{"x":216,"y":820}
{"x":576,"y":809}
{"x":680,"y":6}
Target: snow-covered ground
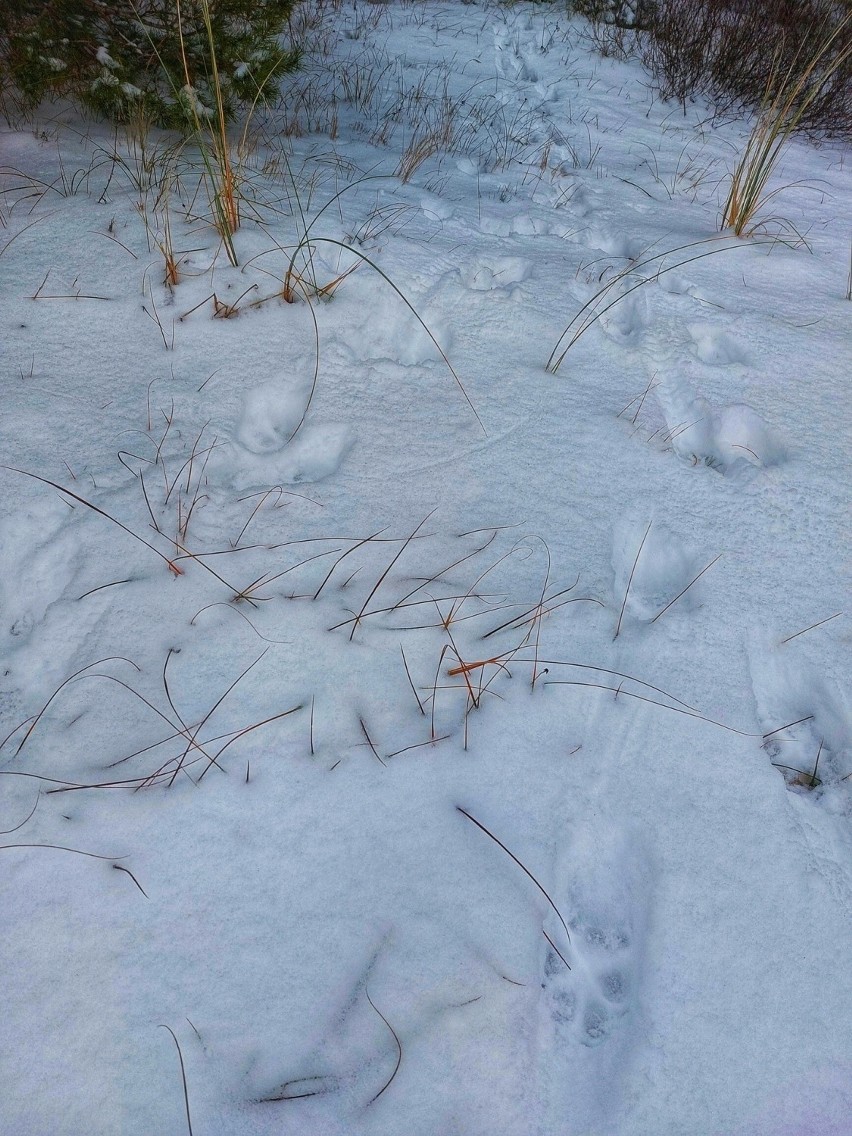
{"x":470,"y":760}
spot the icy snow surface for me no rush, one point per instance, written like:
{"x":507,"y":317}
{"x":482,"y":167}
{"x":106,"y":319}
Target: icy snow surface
{"x":376,"y":634}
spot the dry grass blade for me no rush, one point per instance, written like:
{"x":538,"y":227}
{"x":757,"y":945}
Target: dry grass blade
{"x":630,"y":580}
{"x":620,"y":692}
{"x":193,"y":742}
{"x":370,"y":743}
{"x":538,"y":617}
{"x":62,"y":848}
{"x":21,"y":231}
{"x":307,"y":1087}
{"x":459,"y":602}
{"x":101,"y":587}
{"x":410,"y":681}
{"x":616,"y":674}
{"x":518,"y":620}
{"x":812,"y":627}
{"x":263,"y":498}
{"x":37,"y":718}
{"x":354,"y":548}
{"x":434,"y":694}
{"x":128,"y":872}
{"x":174,"y":568}
{"x":556,"y":949}
{"x":384,"y":574}
{"x":387,"y":1083}
{"x":214,"y":760}
{"x":683,"y":592}
{"x":466,"y":668}
{"x":182,"y":1077}
{"x":220,"y":178}
{"x":526,"y":871}
{"x":814,"y":781}
{"x":419,"y":745}
{"x":179,"y":730}
{"x":242,"y":615}
{"x":787,"y":726}
{"x":29,"y":816}
{"x":425,"y":582}
{"x":419,"y":150}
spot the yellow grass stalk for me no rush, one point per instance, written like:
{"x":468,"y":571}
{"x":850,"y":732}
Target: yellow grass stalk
{"x":780,"y":114}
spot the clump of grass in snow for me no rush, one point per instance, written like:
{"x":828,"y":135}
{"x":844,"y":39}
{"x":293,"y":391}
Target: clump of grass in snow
{"x":222,"y":169}
{"x":780,"y":115}
{"x":216,"y":156}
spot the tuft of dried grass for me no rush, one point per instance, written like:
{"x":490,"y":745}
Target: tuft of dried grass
{"x":787,"y":100}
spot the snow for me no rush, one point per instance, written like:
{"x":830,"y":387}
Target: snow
{"x":370,"y":652}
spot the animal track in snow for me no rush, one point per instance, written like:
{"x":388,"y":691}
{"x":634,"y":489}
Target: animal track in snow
{"x":818,"y":747}
{"x":566,"y":191}
{"x":604,"y":889}
{"x":513,"y":61}
{"x":43,"y":540}
{"x":733,"y":440}
{"x":269,"y":416}
{"x":520,"y":224}
{"x":616,"y":244}
{"x":716,"y":347}
{"x":677,"y":285}
{"x":495,"y":274}
{"x":652,"y":578}
{"x":263,"y":449}
{"x":627,"y":319}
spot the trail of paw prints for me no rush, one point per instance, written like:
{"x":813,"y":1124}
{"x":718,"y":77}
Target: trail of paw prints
{"x":515,"y":52}
{"x":674,"y":284}
{"x":616,"y":298}
{"x":566,"y":190}
{"x":633,"y":280}
{"x":606,"y":892}
{"x":615,"y":244}
{"x":516,"y":212}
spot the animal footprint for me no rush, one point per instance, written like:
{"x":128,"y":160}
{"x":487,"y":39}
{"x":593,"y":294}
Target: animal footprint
{"x":495,"y":273}
{"x":627,"y":318}
{"x":270,"y":415}
{"x":808,"y":727}
{"x":269,"y":446}
{"x":734,"y":440}
{"x":616,"y":244}
{"x":512,"y":61}
{"x":607,"y":893}
{"x":716,"y":347}
{"x":652,"y":568}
